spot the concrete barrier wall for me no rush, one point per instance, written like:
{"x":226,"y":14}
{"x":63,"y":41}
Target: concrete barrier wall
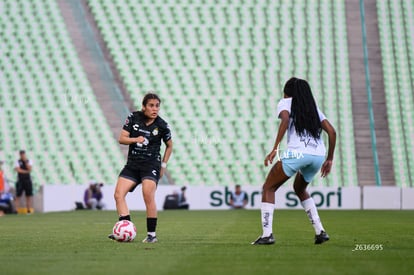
{"x":62,"y":197}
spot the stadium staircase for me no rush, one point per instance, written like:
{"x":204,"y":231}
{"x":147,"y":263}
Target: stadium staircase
{"x":364,"y":155}
{"x":100,"y":73}
{"x":103,"y":77}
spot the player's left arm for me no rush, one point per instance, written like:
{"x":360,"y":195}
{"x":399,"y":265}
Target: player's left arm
{"x":167,"y":138}
{"x":166,"y":157}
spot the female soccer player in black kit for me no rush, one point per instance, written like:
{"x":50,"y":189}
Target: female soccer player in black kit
{"x":143,"y":132}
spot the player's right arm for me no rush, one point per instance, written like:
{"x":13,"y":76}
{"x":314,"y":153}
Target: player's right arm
{"x":126,"y":140}
{"x":284,"y":117}
{"x":124,"y":136}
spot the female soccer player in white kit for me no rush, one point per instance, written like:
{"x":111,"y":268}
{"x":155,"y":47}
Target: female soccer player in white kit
{"x":305,"y":155}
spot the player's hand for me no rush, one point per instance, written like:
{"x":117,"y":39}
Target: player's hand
{"x":269,"y":158}
{"x":162,"y":172}
{"x":326,"y":168}
{"x":140,"y":139}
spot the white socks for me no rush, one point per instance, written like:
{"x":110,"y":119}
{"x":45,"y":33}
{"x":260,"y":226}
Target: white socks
{"x":312,"y":212}
{"x":310,"y":209}
{"x":267,"y":218}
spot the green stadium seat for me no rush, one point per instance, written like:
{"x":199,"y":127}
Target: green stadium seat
{"x":224,"y":66}
{"x":394,"y":21}
{"x":35,"y":99}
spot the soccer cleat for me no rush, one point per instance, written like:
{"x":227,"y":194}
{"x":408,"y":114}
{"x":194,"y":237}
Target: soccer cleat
{"x":150,"y":239}
{"x":321,"y":238}
{"x":112,"y":237}
{"x":264,"y":240}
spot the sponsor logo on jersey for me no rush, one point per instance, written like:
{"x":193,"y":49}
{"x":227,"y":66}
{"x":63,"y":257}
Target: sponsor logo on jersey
{"x":144,"y":131}
{"x":135,"y":127}
{"x":307,"y":142}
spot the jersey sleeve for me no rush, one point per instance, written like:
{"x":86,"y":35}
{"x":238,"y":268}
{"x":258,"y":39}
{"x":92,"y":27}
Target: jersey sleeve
{"x":322,"y":116}
{"x":283,"y":105}
{"x":166,"y":135}
{"x":128,"y":123}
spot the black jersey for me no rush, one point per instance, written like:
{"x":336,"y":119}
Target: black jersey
{"x":23,"y":165}
{"x":153,"y":134}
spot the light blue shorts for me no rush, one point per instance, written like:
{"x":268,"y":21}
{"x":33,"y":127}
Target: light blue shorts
{"x":307,"y":165}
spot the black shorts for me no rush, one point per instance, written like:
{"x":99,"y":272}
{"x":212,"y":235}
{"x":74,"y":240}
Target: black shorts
{"x":24,"y":185}
{"x":139,"y":172}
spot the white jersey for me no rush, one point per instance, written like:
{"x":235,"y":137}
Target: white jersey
{"x":238,"y":200}
{"x":297,"y":144}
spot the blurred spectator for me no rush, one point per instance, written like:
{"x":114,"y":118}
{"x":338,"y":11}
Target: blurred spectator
{"x":6,"y":204}
{"x":6,"y":198}
{"x":93,"y":196}
{"x":2,"y":178}
{"x":176,"y":200}
{"x":24,"y":183}
{"x":182,"y":200}
{"x":238,"y":198}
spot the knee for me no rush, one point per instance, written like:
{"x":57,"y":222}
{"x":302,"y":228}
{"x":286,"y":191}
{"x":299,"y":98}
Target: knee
{"x":118,"y":196}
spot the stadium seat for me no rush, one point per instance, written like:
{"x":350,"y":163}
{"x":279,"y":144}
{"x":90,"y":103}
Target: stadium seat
{"x":220,"y":70}
{"x":395,"y":28}
{"x":48,"y":103}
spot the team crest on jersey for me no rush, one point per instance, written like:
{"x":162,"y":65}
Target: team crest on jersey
{"x":155,"y":131}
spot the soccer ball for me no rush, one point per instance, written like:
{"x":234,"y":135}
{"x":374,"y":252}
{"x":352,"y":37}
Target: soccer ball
{"x":124,"y":231}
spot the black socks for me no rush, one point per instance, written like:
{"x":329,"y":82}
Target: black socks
{"x":127,"y":217}
{"x":151,"y":224}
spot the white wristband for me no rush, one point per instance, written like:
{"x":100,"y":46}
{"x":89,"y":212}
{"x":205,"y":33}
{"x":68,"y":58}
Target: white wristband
{"x":163,"y":164}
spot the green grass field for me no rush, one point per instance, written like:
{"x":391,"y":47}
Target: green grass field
{"x":207,"y":242}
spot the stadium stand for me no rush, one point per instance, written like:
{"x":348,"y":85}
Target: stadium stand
{"x":220,"y":69}
{"x":396,"y":25}
{"x":47,"y":105}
